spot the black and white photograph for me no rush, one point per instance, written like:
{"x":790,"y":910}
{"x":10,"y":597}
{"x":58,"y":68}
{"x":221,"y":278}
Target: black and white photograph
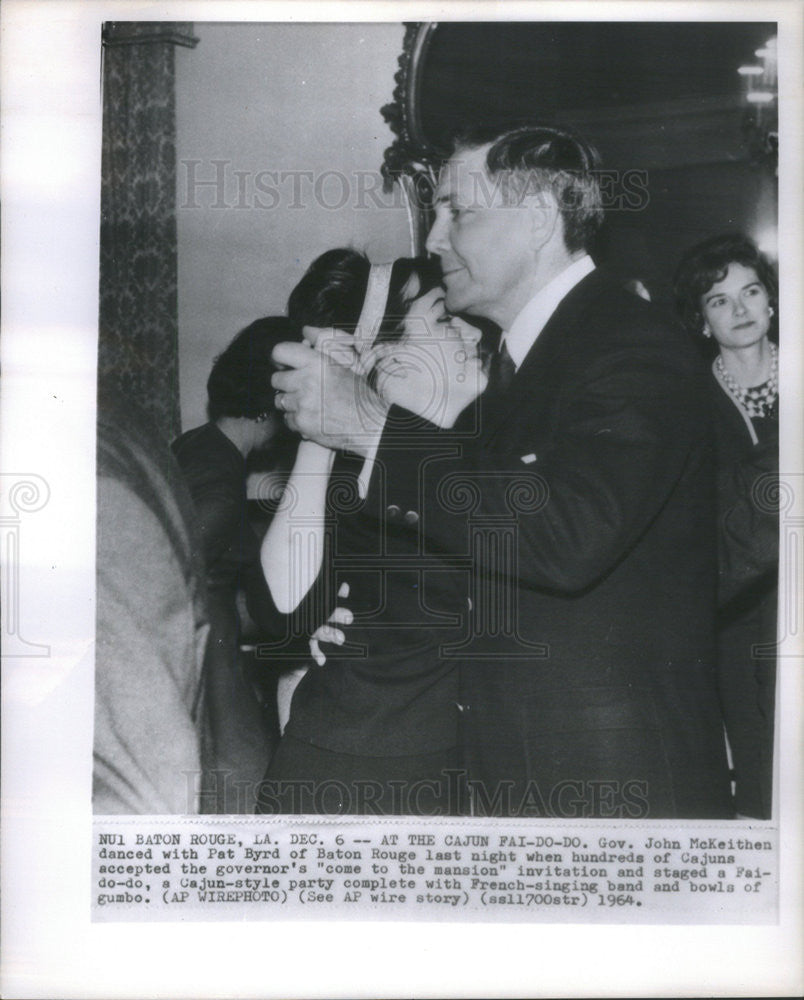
{"x":539,"y":581}
{"x":423,"y":542}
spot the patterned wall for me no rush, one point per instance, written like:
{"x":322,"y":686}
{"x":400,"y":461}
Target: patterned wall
{"x":138,"y":339}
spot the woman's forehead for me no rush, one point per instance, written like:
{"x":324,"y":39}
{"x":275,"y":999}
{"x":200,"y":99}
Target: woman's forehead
{"x":737,"y":276}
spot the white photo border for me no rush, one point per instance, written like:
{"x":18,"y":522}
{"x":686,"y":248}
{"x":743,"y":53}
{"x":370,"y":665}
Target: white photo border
{"x":51,"y":948}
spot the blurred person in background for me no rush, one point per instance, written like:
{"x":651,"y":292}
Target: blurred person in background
{"x":151,"y":733}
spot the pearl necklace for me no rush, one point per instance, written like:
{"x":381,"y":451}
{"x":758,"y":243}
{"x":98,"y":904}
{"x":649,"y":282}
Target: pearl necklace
{"x":757,"y":400}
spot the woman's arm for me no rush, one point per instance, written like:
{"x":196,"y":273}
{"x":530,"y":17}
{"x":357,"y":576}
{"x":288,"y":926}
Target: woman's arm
{"x":293,"y":548}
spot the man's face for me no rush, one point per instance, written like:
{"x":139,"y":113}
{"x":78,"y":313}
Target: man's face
{"x":485,"y":245}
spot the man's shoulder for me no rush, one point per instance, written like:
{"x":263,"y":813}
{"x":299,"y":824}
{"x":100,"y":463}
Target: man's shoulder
{"x":603,"y":292}
{"x":605,"y":318}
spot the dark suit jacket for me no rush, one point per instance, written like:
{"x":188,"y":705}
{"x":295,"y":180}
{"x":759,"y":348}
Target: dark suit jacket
{"x":585,"y":502}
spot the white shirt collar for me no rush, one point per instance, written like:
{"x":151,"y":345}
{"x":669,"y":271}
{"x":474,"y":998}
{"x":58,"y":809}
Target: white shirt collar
{"x":530,"y":322}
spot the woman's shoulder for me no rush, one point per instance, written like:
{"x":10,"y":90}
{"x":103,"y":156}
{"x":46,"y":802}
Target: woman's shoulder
{"x":196,"y":439}
{"x":208,"y":446}
{"x":209,"y":461}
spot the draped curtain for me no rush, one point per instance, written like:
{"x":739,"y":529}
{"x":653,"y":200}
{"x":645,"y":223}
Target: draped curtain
{"x":138,"y":337}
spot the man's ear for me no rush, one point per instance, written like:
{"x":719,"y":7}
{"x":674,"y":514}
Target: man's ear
{"x":544,"y":215}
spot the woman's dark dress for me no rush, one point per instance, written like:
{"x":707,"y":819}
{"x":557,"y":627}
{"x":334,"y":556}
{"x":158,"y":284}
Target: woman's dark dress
{"x":215,"y":472}
{"x":374,"y":730}
{"x":748,"y":543}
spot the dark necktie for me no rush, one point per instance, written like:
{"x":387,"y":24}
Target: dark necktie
{"x":501,"y":370}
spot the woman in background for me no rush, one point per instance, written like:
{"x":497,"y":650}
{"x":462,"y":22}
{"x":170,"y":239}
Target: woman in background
{"x":727,"y":291}
{"x":242,"y":419}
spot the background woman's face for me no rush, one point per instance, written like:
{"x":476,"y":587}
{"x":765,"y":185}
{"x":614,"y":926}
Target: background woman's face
{"x":737,"y":309}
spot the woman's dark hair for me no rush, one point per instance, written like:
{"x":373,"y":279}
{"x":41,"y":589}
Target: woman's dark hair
{"x":333,"y":288}
{"x":239,"y":384}
{"x":707,"y":263}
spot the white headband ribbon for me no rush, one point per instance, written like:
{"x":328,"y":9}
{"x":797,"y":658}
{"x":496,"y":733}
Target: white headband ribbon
{"x":374,"y":305}
{"x":368,"y":326}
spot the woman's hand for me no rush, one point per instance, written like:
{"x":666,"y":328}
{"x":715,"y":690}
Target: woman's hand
{"x":328,"y":633}
{"x":434,"y":370}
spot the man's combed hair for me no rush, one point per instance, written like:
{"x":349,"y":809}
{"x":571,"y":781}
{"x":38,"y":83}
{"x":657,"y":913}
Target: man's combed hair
{"x":541,"y":157}
{"x":706,"y":263}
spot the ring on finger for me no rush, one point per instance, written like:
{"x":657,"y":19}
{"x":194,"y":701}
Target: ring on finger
{"x":279,"y":401}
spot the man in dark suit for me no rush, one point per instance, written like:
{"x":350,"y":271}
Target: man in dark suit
{"x":585,"y":501}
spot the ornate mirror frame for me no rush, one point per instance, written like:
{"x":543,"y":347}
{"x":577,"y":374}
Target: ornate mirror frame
{"x":409,"y":160}
{"x":672,"y":108}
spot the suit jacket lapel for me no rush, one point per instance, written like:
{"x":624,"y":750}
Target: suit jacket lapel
{"x":533,"y":380}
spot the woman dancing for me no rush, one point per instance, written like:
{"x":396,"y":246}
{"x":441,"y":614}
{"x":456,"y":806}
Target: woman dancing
{"x":374,"y":728}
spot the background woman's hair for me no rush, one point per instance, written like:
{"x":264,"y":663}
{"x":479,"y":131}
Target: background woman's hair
{"x":706,"y":263}
{"x":332,"y":290}
{"x":239,"y":384}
